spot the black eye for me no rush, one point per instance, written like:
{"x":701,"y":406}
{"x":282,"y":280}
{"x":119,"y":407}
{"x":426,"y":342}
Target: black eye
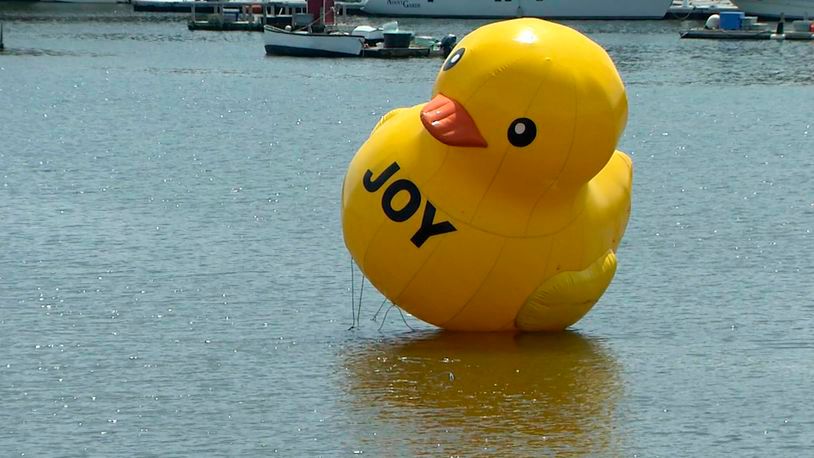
{"x":454,"y":59}
{"x":522,"y":132}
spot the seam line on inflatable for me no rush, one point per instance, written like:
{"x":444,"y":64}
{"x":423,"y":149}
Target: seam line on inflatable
{"x":419,"y":269}
{"x":480,"y":287}
{"x":541,"y":276}
{"x":567,"y":159}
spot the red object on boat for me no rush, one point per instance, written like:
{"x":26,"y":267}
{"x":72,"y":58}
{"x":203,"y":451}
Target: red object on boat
{"x":314,"y":7}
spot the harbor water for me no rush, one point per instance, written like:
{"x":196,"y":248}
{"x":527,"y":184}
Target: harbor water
{"x":173,"y":279}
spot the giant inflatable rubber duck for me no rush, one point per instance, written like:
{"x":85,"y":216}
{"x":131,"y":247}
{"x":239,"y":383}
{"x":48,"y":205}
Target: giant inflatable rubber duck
{"x":500,"y":203}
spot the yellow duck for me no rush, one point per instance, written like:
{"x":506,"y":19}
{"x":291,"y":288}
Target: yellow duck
{"x":500,"y":203}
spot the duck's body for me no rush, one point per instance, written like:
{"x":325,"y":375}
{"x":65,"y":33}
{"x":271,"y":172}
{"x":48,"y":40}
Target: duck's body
{"x":470,"y":231}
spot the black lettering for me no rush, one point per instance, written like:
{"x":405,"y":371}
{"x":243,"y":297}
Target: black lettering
{"x":373,"y":186}
{"x":409,"y":210}
{"x":428,"y":228}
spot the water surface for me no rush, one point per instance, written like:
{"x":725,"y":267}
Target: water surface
{"x":173,"y":279}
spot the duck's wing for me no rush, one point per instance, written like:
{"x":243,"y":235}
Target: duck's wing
{"x":390,"y":115}
{"x":564,"y":298}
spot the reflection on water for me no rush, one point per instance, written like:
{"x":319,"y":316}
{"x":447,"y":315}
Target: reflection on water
{"x":45,"y":52}
{"x":466,"y":393}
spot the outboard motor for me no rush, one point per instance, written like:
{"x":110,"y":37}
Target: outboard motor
{"x":447,"y":43}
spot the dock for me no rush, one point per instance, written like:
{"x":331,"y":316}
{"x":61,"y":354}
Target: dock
{"x":243,"y":16}
{"x":225,"y":15}
{"x":239,"y":16}
{"x":400,"y":53}
{"x":746,"y":35}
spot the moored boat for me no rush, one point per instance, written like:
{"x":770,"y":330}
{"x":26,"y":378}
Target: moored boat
{"x":554,"y":9}
{"x":309,"y":44}
{"x":735,"y":25}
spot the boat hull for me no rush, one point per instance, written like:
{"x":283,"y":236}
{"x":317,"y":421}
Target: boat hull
{"x":281,"y":42}
{"x":772,"y":9}
{"x":554,"y":9}
{"x":276,"y":50}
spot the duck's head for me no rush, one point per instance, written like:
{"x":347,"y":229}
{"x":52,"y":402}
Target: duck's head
{"x":540,"y":100}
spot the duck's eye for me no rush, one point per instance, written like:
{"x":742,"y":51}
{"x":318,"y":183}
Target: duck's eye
{"x":522,"y":132}
{"x":454,"y":58}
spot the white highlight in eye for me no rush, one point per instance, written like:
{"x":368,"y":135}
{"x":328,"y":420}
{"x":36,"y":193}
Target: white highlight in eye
{"x":456,"y":58}
{"x":519,"y":128}
{"x":526,"y":36}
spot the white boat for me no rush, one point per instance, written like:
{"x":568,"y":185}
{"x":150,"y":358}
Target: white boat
{"x":790,"y":9}
{"x":308,"y":44}
{"x":555,"y":9}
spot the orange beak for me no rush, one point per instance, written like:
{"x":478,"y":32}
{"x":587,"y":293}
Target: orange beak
{"x":447,"y":121}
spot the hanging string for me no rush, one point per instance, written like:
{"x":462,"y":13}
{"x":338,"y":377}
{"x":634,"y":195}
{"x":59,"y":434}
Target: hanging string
{"x":379,"y":310}
{"x":356,"y":308}
{"x":404,"y":319}
{"x":352,"y":295}
{"x":359,"y":310}
{"x":384,"y":319}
